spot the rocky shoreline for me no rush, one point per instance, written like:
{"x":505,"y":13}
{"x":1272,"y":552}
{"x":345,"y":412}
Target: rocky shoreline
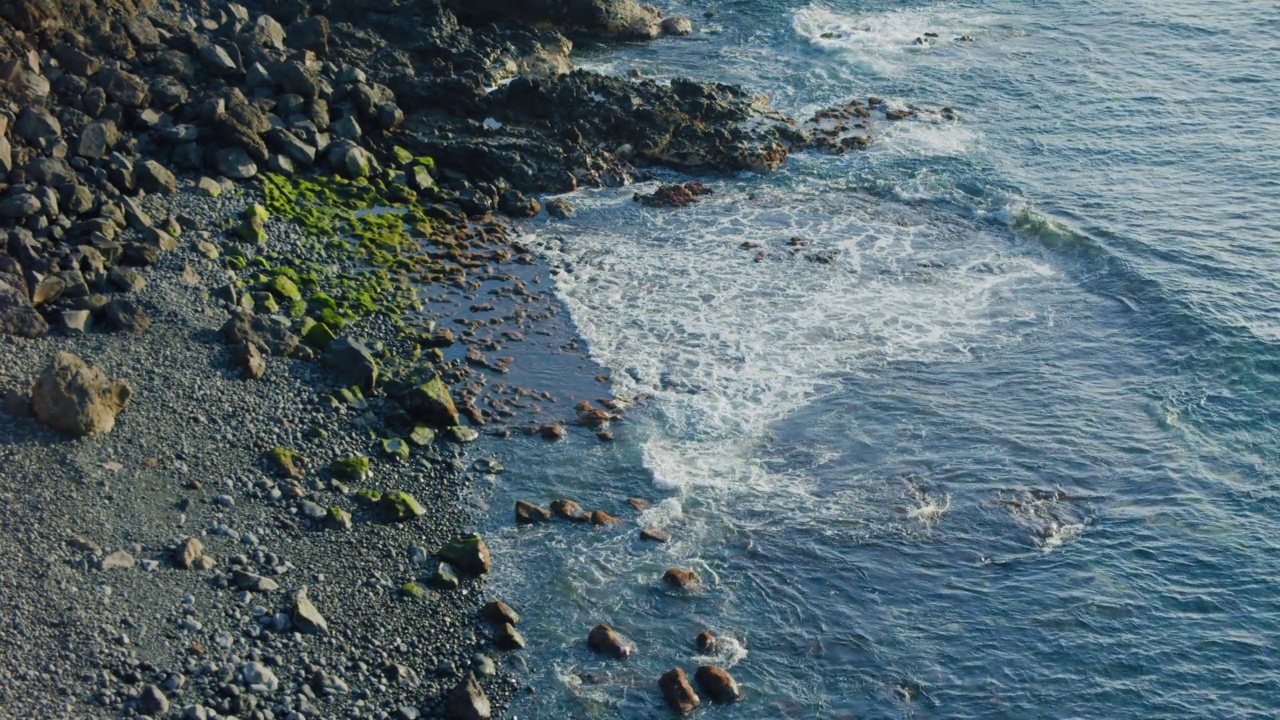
{"x":252,"y":296}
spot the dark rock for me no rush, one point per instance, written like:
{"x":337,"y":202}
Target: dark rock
{"x":19,"y":206}
{"x":445,"y":577}
{"x":296,"y":79}
{"x":352,"y":362}
{"x":97,"y":139}
{"x":76,"y":61}
{"x":706,"y":642}
{"x":126,"y":316}
{"x":249,"y":359}
{"x":350,"y":160}
{"x":498,"y":612}
{"x":467,"y":701}
{"x":151,"y":701}
{"x":606,"y":640}
{"x":529,"y":514}
{"x":17,"y":316}
{"x":506,"y":637}
{"x":274,"y":336}
{"x":559,"y":208}
{"x":569,"y":510}
{"x":655,"y":535}
{"x":680,"y":578}
{"x":154,"y":177}
{"x":517,"y":204}
{"x":126,"y":279}
{"x":309,"y":34}
{"x":77,"y":399}
{"x":124,"y":87}
{"x":432,"y":403}
{"x":717,"y":683}
{"x":677,"y":26}
{"x":168,"y":94}
{"x":235,"y":163}
{"x":677,"y":693}
{"x":38,"y":127}
{"x":673,"y":195}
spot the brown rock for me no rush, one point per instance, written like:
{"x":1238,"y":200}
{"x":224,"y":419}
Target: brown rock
{"x":590,"y":415}
{"x":551,"y":431}
{"x":17,"y":316}
{"x":705,"y":641}
{"x":655,"y":535}
{"x":529,"y":514}
{"x":77,"y":399}
{"x":717,"y":683}
{"x":569,"y":510}
{"x":600,"y":517}
{"x":604,"y":639}
{"x":496,"y":611}
{"x":638,"y":503}
{"x":677,"y":693}
{"x":681,"y":578}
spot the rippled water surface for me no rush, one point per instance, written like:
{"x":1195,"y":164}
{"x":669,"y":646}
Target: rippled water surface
{"x":1011,"y":453}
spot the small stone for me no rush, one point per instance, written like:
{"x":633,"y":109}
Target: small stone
{"x":338,"y":518}
{"x":305,"y":615}
{"x":463,"y":434}
{"x":445,"y":577}
{"x":681,"y":578}
{"x":551,"y":431}
{"x":253,"y":582}
{"x":705,"y":641}
{"x":600,"y":517}
{"x":117,"y":560}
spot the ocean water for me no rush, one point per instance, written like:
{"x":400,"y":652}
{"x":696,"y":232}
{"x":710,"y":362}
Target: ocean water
{"x":1011,"y":453}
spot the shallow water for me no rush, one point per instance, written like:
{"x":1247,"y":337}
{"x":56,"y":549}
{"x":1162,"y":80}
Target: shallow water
{"x":1011,"y":453}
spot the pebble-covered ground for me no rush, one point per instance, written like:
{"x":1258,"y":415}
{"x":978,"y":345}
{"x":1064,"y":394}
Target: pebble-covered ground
{"x":98,"y":619}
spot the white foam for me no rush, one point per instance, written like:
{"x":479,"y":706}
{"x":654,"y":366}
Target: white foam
{"x":885,"y":42}
{"x":719,"y":348}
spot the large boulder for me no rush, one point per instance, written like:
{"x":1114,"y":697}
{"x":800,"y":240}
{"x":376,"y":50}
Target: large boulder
{"x":77,"y":399}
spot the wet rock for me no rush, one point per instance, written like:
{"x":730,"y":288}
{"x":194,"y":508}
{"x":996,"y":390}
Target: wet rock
{"x":717,"y":683}
{"x":679,"y":26}
{"x":530,"y":514}
{"x":445,"y":577}
{"x":705,"y":641}
{"x":305,"y":615}
{"x":677,"y":693}
{"x":569,"y":510}
{"x":498,"y":612}
{"x":467,"y":701}
{"x":674,"y":196}
{"x":600,"y":517}
{"x":681,"y":578}
{"x":551,"y":431}
{"x":468,"y":553}
{"x":560,"y":208}
{"x":77,"y":399}
{"x":604,"y":639}
{"x":655,"y":535}
{"x":17,"y":315}
{"x":506,"y":637}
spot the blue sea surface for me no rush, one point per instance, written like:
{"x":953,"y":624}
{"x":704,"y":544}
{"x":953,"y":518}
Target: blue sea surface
{"x":1013,"y":453}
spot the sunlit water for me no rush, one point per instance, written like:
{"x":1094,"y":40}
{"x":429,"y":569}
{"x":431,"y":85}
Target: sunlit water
{"x":1011,"y":453}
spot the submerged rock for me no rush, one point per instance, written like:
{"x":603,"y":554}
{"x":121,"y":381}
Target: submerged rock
{"x":681,"y":578}
{"x":77,"y":399}
{"x":569,"y":510}
{"x":530,"y":514}
{"x":705,"y":641}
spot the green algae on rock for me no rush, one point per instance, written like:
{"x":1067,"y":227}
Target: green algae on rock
{"x":399,"y":506}
{"x":286,"y":462}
